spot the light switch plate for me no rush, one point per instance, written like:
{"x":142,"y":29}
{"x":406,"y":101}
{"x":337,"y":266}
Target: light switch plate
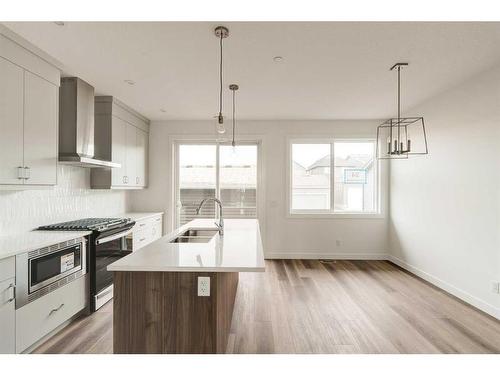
{"x":203,"y":286}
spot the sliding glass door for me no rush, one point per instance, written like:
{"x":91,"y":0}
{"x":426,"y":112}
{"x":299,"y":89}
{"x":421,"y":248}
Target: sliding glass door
{"x":206,"y":170}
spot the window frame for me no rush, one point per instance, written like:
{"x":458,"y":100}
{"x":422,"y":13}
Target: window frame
{"x":330,"y":213}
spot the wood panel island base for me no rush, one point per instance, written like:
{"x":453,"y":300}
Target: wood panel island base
{"x":157,"y":305}
{"x":160,"y":312}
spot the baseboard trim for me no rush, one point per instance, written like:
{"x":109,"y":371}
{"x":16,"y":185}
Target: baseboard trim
{"x":310,"y":255}
{"x":459,"y":293}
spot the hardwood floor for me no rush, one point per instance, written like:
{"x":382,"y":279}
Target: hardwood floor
{"x":309,"y":306}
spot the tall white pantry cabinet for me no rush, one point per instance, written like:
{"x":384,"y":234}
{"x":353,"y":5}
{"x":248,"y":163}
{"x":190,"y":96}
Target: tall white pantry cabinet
{"x":29,"y":99}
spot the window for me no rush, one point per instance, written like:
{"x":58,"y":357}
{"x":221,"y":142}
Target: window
{"x":238,"y":180}
{"x":211,"y":170}
{"x":311,"y":167}
{"x":197,"y":181}
{"x":338,"y":176}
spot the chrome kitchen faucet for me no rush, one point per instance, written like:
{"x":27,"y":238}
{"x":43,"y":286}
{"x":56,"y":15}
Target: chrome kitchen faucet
{"x":220,"y":224}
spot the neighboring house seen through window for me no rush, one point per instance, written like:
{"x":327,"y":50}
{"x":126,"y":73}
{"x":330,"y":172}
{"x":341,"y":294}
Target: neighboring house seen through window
{"x":351,"y":171}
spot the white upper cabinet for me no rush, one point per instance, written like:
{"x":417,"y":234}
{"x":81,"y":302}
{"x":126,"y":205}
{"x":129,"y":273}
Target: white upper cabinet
{"x":119,"y":146}
{"x":129,"y":133}
{"x":40,"y":130}
{"x":142,"y":157}
{"x":29,"y":93}
{"x":131,"y":155}
{"x":11,"y":123}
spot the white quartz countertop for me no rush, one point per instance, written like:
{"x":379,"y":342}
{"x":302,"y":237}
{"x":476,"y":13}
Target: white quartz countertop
{"x":11,"y":245}
{"x":25,"y":242}
{"x":238,"y":250}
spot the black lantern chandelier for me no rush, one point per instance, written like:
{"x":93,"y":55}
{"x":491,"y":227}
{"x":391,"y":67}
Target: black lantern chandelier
{"x":402,"y":136}
{"x":221,"y":32}
{"x":234,"y":87}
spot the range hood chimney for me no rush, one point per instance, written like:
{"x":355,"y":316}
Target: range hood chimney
{"x":76,"y":125}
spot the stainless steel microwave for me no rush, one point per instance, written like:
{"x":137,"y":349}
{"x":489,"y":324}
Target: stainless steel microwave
{"x":43,"y":270}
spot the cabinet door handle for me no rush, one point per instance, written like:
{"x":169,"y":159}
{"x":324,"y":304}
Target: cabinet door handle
{"x":137,"y":180}
{"x":27,"y":173}
{"x":56,"y":309}
{"x":20,"y":173}
{"x":12,"y":288}
{"x":142,"y":239}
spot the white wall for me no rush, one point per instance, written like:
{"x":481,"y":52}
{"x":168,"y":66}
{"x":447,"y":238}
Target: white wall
{"x":284,"y":236}
{"x":444,"y":208}
{"x":72,"y":198}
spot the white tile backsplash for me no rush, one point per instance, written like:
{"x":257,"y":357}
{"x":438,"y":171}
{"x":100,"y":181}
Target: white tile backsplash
{"x":72,"y":198}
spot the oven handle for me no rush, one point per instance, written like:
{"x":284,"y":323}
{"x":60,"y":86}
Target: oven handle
{"x":113,"y":237}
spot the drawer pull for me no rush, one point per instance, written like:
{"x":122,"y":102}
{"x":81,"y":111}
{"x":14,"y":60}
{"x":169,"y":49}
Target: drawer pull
{"x":12,"y":287}
{"x":143,"y":224}
{"x":142,"y":239}
{"x":57,"y":309}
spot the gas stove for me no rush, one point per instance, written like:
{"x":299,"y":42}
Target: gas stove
{"x":109,"y":241}
{"x":94,"y":224}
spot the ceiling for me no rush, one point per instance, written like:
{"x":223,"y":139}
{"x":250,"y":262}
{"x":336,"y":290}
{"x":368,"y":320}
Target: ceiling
{"x":331,"y":70}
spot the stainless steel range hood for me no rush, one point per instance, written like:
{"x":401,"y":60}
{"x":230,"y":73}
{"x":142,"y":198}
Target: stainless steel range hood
{"x":76,"y":125}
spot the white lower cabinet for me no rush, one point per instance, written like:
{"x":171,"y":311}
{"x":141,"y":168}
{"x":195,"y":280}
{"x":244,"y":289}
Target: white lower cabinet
{"x":146,"y":231}
{"x":7,"y":306}
{"x":40,"y":317}
{"x":7,"y":317}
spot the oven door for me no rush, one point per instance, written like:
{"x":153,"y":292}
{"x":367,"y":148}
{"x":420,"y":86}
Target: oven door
{"x":109,"y":247}
{"x":49,"y":268}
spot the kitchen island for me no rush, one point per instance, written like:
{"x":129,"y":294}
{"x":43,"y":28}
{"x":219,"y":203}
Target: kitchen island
{"x":162,"y":302}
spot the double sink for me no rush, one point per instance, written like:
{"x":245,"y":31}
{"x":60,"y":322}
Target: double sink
{"x":195,"y":236}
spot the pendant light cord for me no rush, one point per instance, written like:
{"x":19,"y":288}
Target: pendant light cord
{"x":220,"y":76}
{"x":234,"y":119}
{"x":399,"y":108}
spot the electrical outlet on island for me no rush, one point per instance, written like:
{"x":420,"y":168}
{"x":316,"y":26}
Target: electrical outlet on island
{"x":203,"y":286}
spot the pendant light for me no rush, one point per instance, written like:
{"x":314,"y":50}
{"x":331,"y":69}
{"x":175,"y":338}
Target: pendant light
{"x":234,"y":87}
{"x":394,"y":140}
{"x":221,"y":32}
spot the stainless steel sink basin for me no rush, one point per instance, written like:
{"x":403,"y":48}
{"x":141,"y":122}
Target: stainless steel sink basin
{"x":199,"y":233}
{"x":181,"y":239}
{"x":195,"y":236}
